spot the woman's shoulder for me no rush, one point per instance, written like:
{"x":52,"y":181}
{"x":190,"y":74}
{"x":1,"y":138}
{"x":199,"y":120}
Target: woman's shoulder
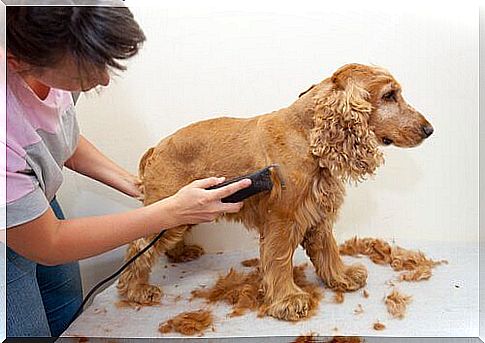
{"x":27,"y":115}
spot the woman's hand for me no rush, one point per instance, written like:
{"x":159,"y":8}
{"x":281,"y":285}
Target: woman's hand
{"x":132,"y":186}
{"x":194,"y":204}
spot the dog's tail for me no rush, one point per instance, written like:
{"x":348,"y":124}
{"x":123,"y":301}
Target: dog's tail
{"x":143,"y":163}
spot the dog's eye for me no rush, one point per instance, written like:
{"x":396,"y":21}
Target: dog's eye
{"x":386,"y":141}
{"x":389,"y":96}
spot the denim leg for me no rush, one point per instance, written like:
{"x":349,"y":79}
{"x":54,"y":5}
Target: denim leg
{"x":61,"y":292}
{"x":61,"y":289}
{"x":25,"y":310}
{"x":41,"y":300}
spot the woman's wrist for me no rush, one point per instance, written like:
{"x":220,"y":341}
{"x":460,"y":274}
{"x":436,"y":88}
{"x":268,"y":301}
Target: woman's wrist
{"x":164,"y":215}
{"x":194,"y":204}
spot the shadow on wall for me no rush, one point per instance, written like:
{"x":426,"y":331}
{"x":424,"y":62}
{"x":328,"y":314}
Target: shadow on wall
{"x":362,"y":201}
{"x":118,"y":132}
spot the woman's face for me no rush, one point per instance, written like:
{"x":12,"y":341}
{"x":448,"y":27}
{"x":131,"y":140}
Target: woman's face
{"x":64,"y":75}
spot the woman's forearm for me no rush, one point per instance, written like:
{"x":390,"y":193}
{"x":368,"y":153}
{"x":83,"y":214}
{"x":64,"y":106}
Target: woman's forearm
{"x":89,"y":161}
{"x":52,"y":241}
{"x":89,"y":236}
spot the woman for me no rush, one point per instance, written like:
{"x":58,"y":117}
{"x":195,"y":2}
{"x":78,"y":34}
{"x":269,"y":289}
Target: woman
{"x":52,"y":51}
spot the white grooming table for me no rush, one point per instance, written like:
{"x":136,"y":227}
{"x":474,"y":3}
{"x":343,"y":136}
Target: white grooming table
{"x":444,"y":306}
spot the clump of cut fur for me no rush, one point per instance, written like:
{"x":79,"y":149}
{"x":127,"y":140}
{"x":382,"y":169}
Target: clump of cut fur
{"x":339,"y":297}
{"x":359,"y":309}
{"x":420,"y":273}
{"x":252,"y":262}
{"x":241,"y":290}
{"x":126,"y":303}
{"x":396,"y":303}
{"x":414,"y":264}
{"x":308,"y":338}
{"x":188,"y":323}
{"x":244,"y":292}
{"x":379,"y":326}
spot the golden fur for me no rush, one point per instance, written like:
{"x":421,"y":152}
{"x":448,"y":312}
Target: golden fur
{"x":328,"y":136}
{"x":188,"y":323}
{"x":244,"y":292}
{"x":396,"y":303}
{"x":415,"y":264}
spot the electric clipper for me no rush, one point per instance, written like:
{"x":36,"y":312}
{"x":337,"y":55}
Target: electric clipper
{"x":260,"y":182}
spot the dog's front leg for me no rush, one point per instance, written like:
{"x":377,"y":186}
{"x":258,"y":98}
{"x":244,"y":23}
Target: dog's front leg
{"x":283,"y":299}
{"x":322,"y":248}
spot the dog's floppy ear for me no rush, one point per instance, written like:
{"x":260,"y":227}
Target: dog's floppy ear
{"x":304,"y":92}
{"x":341,"y":138}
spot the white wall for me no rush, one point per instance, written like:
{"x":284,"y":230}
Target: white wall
{"x":201,"y":63}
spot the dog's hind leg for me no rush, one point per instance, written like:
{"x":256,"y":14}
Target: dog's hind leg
{"x":283,"y":299}
{"x":322,"y":248}
{"x":184,"y":252}
{"x":134,"y":281}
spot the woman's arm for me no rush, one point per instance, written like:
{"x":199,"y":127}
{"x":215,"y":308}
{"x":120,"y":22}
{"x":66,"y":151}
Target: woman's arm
{"x":89,"y":161}
{"x":50,"y":241}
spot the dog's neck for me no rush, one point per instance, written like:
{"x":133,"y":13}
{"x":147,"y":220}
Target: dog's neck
{"x":301,"y":113}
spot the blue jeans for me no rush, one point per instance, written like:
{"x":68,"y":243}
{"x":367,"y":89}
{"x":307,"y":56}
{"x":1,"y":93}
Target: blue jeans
{"x":41,"y":300}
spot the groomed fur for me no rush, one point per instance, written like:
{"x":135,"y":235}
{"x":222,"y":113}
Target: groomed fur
{"x":327,"y":137}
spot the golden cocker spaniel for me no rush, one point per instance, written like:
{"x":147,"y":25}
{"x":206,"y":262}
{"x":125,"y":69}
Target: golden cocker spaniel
{"x":330,"y":135}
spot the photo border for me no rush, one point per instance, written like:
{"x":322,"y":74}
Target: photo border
{"x":480,"y":338}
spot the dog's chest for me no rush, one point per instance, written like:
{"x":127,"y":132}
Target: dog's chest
{"x":314,"y":197}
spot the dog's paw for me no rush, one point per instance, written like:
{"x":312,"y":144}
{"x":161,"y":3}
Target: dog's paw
{"x":145,"y":294}
{"x":353,"y":278}
{"x":184,"y":253}
{"x":293,"y":307}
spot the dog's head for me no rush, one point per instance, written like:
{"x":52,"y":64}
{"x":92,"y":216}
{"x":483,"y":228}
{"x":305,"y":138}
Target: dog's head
{"x":392,"y":120}
{"x":361,"y":109}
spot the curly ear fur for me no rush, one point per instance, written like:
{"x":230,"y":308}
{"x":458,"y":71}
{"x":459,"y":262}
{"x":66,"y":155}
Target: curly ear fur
{"x":341,"y":138}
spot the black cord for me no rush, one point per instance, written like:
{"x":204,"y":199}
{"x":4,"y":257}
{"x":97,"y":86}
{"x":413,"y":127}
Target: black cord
{"x":115,"y":274}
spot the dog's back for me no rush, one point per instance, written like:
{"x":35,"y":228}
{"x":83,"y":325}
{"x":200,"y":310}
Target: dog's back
{"x":215,"y":147}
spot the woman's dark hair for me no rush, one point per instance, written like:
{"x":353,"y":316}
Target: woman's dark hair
{"x":96,"y":37}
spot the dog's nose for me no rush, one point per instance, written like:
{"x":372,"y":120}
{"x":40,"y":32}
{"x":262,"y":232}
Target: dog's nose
{"x":427,"y":130}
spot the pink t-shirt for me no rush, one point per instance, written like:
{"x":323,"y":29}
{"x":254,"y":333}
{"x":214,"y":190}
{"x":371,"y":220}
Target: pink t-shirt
{"x":41,"y":136}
